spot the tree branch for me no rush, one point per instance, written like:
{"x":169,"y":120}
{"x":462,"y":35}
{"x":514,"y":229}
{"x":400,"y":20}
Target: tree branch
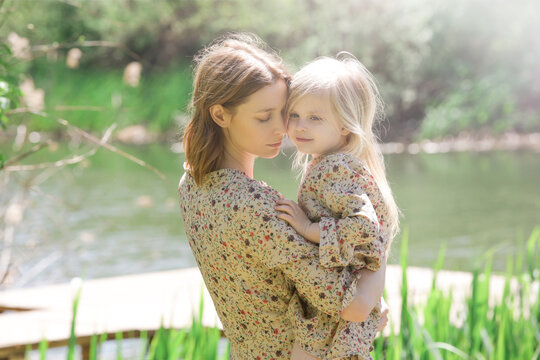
{"x":34,"y":149}
{"x":97,"y":43}
{"x":24,"y":110}
{"x":76,"y":159}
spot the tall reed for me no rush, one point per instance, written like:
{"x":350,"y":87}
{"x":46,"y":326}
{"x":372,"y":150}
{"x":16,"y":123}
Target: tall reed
{"x":508,"y":328}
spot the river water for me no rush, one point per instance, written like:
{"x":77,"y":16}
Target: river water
{"x":108,"y":216}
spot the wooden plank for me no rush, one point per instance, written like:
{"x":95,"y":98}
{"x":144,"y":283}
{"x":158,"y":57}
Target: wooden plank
{"x":134,"y":302}
{"x":144,"y":301}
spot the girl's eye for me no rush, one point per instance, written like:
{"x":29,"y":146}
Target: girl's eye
{"x":293,"y":116}
{"x":315,"y":118}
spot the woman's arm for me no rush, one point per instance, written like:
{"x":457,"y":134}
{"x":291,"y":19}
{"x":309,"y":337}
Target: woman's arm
{"x":277,"y":245}
{"x":369,"y":290}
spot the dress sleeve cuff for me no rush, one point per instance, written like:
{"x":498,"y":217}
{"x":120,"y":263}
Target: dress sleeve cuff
{"x":329,"y":243}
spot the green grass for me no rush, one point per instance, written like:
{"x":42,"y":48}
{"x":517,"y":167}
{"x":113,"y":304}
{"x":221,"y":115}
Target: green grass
{"x":196,"y":343}
{"x":507,"y":330}
{"x":159,"y":97}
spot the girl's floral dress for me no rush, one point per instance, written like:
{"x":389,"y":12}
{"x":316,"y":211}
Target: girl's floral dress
{"x":255,"y":264}
{"x":339,"y":192}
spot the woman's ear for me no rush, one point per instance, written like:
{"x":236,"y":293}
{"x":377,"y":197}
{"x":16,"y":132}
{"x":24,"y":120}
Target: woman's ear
{"x":220,"y":115}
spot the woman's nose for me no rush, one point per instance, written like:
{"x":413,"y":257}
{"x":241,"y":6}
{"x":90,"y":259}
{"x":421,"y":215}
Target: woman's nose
{"x":281,"y":127}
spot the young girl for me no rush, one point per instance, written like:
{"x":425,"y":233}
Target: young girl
{"x":344,"y":201}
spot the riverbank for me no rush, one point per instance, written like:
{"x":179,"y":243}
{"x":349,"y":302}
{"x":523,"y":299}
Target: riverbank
{"x":509,"y":141}
{"x":140,"y":135}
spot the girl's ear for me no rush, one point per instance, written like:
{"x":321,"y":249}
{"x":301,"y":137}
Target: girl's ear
{"x":220,"y":115}
{"x":344,"y":132}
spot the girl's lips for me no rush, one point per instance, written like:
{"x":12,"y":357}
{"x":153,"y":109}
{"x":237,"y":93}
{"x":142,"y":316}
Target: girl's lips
{"x":302,"y":139}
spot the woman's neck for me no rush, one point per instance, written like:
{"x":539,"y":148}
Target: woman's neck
{"x":240,"y":161}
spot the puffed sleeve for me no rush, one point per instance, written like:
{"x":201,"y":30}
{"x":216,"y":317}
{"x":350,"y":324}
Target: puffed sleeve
{"x":278,"y":246}
{"x":354,"y":236}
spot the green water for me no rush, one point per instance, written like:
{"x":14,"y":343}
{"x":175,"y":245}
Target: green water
{"x":88,"y":220}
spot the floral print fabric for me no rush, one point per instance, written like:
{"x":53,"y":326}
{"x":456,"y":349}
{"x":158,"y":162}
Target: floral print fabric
{"x":339,"y":192}
{"x":254,"y":264}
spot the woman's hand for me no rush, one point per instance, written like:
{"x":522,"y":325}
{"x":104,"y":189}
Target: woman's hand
{"x":291,"y":212}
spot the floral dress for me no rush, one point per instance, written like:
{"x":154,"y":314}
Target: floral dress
{"x":339,"y":192}
{"x":255,"y":264}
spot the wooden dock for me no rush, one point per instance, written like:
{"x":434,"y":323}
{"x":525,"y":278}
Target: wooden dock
{"x":132,"y":303}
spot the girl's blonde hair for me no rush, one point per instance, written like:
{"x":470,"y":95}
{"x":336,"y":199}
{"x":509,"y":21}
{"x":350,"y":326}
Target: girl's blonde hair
{"x":356,"y":101}
{"x":226,"y":73}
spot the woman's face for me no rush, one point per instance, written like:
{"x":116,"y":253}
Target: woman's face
{"x":257,"y":127}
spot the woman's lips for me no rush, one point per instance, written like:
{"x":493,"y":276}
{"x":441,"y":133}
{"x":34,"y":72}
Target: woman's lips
{"x":276,"y":145}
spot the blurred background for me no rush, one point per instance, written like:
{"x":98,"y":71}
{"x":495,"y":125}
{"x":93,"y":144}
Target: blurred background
{"x":460,"y":81}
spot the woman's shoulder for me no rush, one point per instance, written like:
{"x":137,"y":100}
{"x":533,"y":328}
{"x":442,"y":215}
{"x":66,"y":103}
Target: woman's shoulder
{"x":230,"y":184}
{"x":257,"y":195}
{"x":217,"y":179}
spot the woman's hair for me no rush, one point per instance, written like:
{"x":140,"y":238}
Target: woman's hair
{"x":226,"y":72}
{"x":356,"y":102}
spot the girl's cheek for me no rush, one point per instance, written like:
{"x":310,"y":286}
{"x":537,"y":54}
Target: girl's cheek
{"x":291,"y":124}
{"x":290,"y":129}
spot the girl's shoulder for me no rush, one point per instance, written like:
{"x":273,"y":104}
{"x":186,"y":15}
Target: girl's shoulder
{"x":337,"y":163}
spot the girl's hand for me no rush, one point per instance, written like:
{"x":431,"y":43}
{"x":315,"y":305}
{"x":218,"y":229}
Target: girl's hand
{"x":289,"y":211}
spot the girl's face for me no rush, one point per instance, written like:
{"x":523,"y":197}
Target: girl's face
{"x":257,"y":126}
{"x":314,"y":127}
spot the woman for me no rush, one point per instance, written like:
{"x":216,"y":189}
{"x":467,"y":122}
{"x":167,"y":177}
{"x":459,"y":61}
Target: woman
{"x":254,"y":265}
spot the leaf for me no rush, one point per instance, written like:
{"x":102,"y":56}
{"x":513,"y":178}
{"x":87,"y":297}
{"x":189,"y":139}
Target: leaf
{"x":3,"y":121}
{"x":5,"y":47}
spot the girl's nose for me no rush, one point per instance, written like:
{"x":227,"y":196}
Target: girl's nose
{"x":300,"y":125}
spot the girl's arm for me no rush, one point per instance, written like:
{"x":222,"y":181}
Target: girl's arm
{"x":291,"y":212}
{"x":355,"y":235}
{"x":369,"y":287}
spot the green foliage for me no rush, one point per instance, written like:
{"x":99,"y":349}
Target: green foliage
{"x":507,"y":329}
{"x":159,"y":97}
{"x":462,"y":67}
{"x":475,"y":105}
{"x":9,"y":87}
{"x":43,"y":345}
{"x":72,"y":336}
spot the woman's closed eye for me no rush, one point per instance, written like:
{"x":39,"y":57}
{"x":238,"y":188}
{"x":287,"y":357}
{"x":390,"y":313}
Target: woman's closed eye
{"x":266,"y":118}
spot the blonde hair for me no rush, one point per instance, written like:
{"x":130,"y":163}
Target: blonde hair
{"x":226,"y":73}
{"x":356,"y":101}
